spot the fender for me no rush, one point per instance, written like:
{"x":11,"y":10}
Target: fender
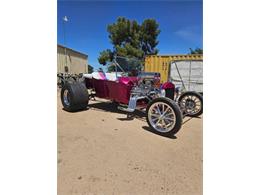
{"x":168,"y":85}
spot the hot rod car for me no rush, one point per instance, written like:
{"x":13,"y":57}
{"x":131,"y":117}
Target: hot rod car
{"x":131,"y":88}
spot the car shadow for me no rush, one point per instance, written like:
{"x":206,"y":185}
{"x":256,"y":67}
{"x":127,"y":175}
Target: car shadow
{"x":188,"y":118}
{"x":111,"y":107}
{"x":104,"y":106}
{"x":137,"y":114}
{"x":148,"y":129}
{"x":76,"y":111}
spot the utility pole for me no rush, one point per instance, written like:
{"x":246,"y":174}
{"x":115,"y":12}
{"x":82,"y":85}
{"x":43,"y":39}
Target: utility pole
{"x":64,"y":20}
{"x":190,"y":68}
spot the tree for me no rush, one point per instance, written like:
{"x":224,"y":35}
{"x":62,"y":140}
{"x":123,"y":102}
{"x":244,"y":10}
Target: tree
{"x":106,"y":55}
{"x":90,"y":68}
{"x":111,"y":69}
{"x":196,"y":51}
{"x":129,"y":39}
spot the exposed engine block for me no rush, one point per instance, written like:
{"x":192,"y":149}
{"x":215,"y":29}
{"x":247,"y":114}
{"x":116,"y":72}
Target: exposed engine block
{"x":147,"y":82}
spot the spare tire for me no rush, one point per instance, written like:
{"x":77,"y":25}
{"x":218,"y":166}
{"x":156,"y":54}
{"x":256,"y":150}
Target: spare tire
{"x":74,"y":96}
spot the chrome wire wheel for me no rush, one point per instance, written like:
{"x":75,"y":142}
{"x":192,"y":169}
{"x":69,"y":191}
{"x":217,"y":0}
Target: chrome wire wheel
{"x":162,"y":117}
{"x":66,"y":97}
{"x":191,"y":104}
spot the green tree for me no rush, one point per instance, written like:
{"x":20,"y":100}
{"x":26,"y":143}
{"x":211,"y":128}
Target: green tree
{"x":90,"y":69}
{"x":111,"y":69}
{"x":196,"y":51}
{"x":106,"y":55}
{"x":130,"y":39}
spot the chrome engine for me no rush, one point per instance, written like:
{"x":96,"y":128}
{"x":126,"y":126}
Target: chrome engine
{"x":147,"y":83}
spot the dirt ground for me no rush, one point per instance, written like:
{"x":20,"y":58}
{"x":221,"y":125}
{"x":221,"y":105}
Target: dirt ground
{"x":100,"y":151}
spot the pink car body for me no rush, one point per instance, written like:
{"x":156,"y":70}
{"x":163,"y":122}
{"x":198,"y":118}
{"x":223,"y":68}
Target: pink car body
{"x":118,"y":90}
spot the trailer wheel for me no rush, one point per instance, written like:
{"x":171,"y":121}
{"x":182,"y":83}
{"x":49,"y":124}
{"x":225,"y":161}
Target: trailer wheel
{"x":74,"y":96}
{"x":191,"y":103}
{"x":164,"y":116}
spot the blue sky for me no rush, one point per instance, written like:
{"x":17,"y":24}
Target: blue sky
{"x":180,"y":23}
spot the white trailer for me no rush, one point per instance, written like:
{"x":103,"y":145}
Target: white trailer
{"x":187,"y":74}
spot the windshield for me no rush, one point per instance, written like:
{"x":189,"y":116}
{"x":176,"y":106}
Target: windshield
{"x":125,"y":65}
{"x":129,"y":64}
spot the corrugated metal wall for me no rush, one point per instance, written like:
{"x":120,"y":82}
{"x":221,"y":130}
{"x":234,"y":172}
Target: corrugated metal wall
{"x":161,"y":63}
{"x":76,"y":62}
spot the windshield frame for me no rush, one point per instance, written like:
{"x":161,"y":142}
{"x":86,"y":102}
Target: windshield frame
{"x":127,"y":64}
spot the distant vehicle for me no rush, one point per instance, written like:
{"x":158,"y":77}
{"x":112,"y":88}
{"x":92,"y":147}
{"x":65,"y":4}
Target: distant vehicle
{"x":133,"y":89}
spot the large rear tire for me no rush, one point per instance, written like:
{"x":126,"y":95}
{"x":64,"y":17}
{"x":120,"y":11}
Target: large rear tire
{"x":163,"y":116}
{"x":191,"y":103}
{"x":74,"y":96}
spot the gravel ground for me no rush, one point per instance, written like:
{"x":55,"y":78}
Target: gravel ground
{"x":100,"y":151}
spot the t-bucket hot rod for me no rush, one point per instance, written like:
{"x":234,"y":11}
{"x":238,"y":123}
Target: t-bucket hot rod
{"x":133,"y":89}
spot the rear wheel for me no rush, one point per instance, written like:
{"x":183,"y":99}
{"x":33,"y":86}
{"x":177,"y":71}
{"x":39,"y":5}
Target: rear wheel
{"x":74,"y":96}
{"x":164,"y":116}
{"x":191,"y":103}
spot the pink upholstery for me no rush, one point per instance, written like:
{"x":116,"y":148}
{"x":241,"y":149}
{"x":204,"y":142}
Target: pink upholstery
{"x":102,"y":75}
{"x":118,"y":91}
{"x":128,"y":80}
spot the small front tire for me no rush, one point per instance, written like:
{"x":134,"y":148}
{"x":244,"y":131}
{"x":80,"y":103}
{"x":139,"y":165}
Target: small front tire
{"x":164,"y":116}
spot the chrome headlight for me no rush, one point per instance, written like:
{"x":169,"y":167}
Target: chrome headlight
{"x":163,"y":93}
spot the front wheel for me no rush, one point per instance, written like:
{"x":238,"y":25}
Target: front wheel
{"x":191,"y":103}
{"x":164,"y":116}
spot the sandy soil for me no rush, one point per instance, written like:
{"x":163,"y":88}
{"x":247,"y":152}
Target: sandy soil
{"x":100,"y":151}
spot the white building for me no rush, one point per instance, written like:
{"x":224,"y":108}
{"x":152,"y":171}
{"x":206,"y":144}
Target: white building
{"x":71,"y":61}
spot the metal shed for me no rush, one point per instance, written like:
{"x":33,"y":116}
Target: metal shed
{"x":71,"y":61}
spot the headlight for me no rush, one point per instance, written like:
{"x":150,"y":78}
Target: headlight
{"x":163,"y":93}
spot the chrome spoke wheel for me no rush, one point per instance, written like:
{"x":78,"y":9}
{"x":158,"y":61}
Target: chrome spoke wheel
{"x":66,"y":97}
{"x":162,"y":117}
{"x":191,"y":104}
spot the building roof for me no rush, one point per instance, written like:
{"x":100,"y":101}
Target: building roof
{"x":177,"y":57}
{"x":173,"y":55}
{"x":72,"y":50}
